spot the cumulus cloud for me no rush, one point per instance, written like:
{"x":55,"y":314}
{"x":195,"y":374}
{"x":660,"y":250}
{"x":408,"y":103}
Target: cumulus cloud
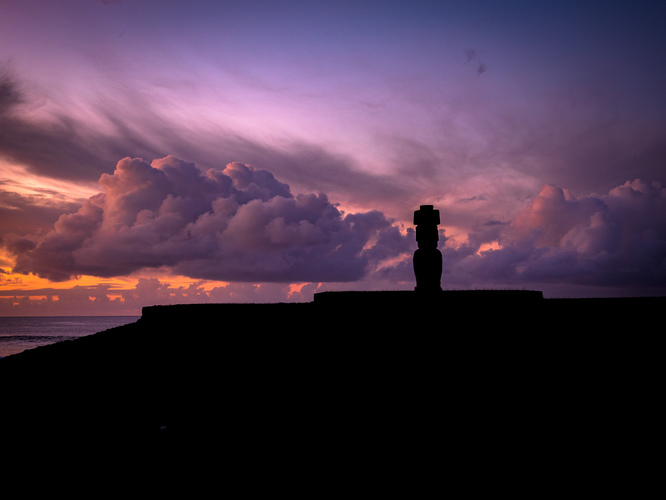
{"x":617,"y":239}
{"x":241,"y":224}
{"x":237,"y":224}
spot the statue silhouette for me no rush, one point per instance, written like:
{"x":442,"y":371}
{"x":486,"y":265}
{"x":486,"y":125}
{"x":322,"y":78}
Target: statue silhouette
{"x":427,"y":258}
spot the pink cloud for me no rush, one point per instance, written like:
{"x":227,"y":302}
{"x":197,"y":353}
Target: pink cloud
{"x":241,"y":224}
{"x":238,"y":224}
{"x":617,"y":239}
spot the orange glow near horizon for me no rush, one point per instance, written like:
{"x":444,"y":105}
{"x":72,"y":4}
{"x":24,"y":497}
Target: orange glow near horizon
{"x":28,"y":282}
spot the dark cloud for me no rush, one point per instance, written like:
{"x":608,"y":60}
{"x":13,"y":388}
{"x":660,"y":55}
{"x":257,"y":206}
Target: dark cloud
{"x":238,"y":224}
{"x":242,"y":224}
{"x":611,"y":244}
{"x":612,"y":240}
{"x":10,"y":95}
{"x":61,"y":148}
{"x":27,"y":214}
{"x":472,"y":57}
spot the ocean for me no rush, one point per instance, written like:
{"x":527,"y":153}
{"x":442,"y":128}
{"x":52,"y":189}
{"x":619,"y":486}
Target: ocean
{"x":21,"y":333}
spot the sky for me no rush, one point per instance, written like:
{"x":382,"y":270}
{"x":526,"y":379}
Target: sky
{"x":161,"y":151}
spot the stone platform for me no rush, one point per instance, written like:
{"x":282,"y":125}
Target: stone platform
{"x":411,"y":297}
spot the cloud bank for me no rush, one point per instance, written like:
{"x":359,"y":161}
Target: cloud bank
{"x":612,"y":240}
{"x":237,"y":224}
{"x":241,"y":224}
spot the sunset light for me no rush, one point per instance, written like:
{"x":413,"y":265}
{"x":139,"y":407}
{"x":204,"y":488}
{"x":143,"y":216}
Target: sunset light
{"x":157,"y":152}
{"x":308,"y":243}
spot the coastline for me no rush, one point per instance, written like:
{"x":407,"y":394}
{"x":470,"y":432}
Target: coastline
{"x":20,"y":333}
{"x":325,"y":383}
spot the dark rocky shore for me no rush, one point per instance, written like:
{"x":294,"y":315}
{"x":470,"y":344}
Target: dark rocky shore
{"x":359,"y":381}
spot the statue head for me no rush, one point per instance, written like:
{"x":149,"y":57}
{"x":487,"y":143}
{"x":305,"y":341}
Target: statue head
{"x":426,"y":220}
{"x":426,"y":215}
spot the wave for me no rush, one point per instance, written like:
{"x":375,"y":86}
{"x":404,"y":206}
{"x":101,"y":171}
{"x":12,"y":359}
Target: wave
{"x":36,"y":338}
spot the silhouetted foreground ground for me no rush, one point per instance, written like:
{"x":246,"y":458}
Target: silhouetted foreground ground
{"x":482,"y":389}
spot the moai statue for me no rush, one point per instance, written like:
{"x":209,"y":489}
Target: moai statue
{"x":427,"y":258}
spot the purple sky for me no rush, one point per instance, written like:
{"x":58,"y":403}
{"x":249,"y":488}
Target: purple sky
{"x":234,"y":144}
